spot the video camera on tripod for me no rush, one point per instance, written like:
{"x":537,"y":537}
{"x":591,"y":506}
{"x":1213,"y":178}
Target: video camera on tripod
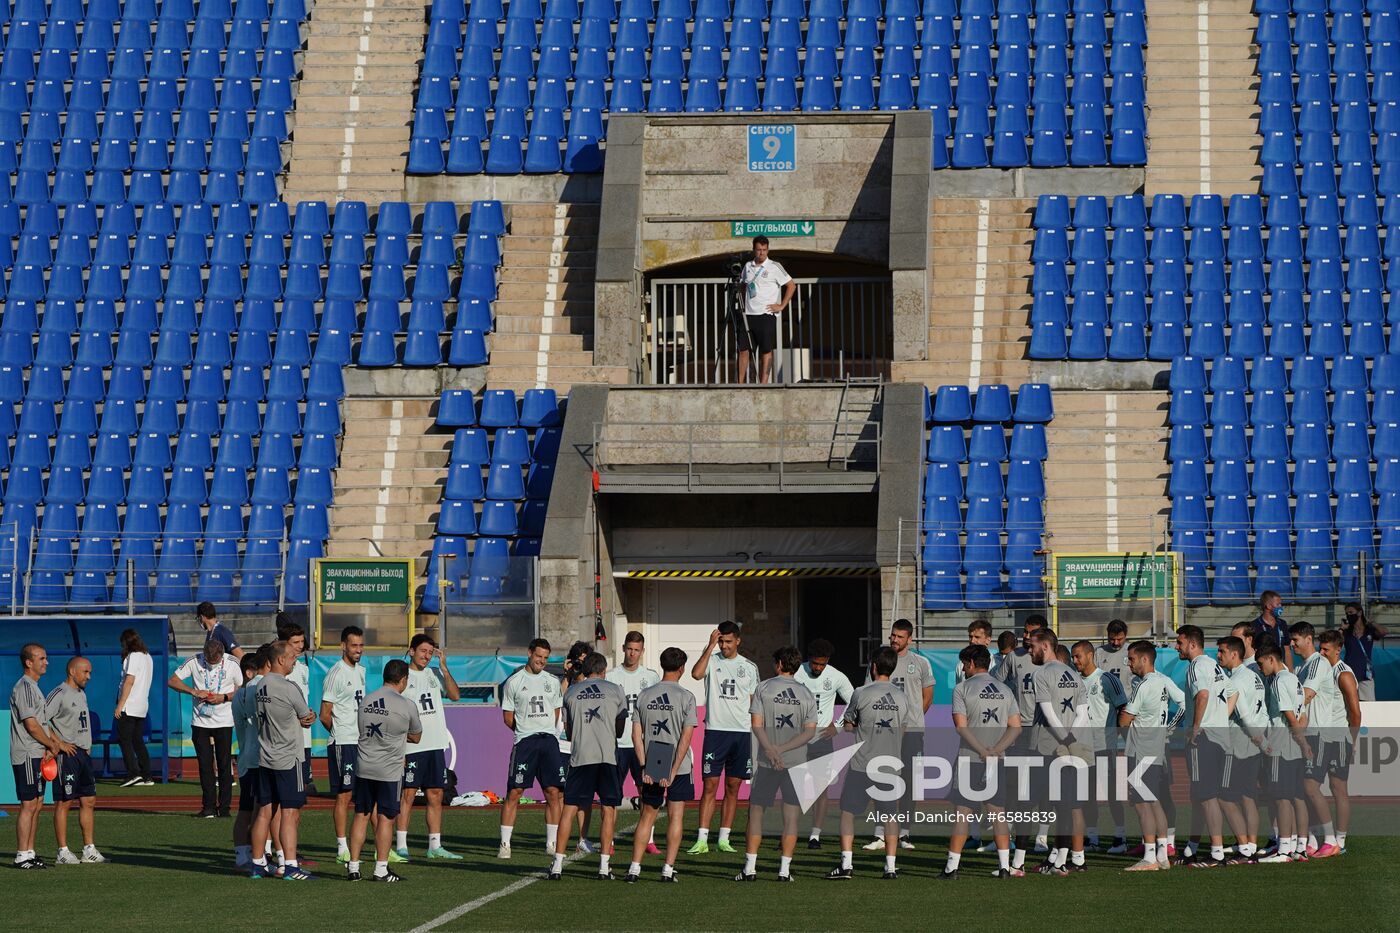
{"x":735,"y":294}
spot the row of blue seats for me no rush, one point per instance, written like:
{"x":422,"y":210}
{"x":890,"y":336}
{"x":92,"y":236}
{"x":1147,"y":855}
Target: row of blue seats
{"x":499,"y":408}
{"x":613,"y":10}
{"x":503,"y":482}
{"x":1206,"y":307}
{"x":145,"y":10}
{"x":989,"y":404}
{"x":492,"y":518}
{"x":1024,"y":477}
{"x":947,"y":444}
{"x":95,"y":108}
{"x":512,"y":446}
{"x":1310,"y":442}
{"x":1262,"y":477}
{"x":1053,"y":212}
{"x":1317,"y":28}
{"x":1138,"y":339}
{"x":1349,"y":413}
{"x":944,"y":513}
{"x":208,"y":49}
{"x":477,"y":569}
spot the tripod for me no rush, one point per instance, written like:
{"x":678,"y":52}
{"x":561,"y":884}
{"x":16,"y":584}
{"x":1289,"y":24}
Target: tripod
{"x":737,"y":319}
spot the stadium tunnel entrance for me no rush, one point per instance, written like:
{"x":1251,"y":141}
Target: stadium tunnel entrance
{"x":788,"y":569}
{"x":838,"y":326}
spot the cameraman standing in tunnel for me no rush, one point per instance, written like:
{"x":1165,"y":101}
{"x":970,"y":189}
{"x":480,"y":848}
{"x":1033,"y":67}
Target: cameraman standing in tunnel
{"x":767,"y":290}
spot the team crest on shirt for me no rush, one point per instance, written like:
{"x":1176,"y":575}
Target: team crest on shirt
{"x":910,"y":667}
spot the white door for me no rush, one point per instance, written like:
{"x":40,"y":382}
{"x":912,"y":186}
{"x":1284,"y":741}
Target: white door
{"x":683,"y":613}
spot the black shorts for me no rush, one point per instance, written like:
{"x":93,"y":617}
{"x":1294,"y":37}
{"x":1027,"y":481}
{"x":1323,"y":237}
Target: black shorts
{"x":729,"y":752}
{"x":370,"y":794}
{"x":283,"y":787}
{"x":1240,"y":778}
{"x":1060,"y":788}
{"x":627,"y":763}
{"x":75,"y":777}
{"x":536,"y":757}
{"x":768,"y":783}
{"x":820,"y":747}
{"x":1153,"y":779}
{"x":970,"y":787}
{"x":1337,"y":755}
{"x":1206,"y":763}
{"x":306,"y":768}
{"x":1285,"y":777}
{"x":29,"y":779}
{"x":249,"y":789}
{"x":682,"y":790}
{"x":587,"y":781}
{"x":762,"y":333}
{"x":426,"y":770}
{"x":340,"y":763}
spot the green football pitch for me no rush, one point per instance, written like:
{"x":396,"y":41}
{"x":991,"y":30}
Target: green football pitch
{"x":171,"y":871}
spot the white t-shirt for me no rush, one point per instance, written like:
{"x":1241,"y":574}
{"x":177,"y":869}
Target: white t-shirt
{"x":224,"y":677}
{"x":830,"y":688}
{"x":632,"y":683}
{"x":301,"y":676}
{"x":139,"y":666}
{"x":425,"y":690}
{"x":763,"y":285}
{"x":729,"y":687}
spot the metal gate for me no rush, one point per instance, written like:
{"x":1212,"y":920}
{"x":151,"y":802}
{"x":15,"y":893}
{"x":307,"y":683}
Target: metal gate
{"x":835,"y":328}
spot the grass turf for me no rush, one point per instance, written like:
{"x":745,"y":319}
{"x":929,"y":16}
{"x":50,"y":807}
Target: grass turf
{"x":167,"y":870}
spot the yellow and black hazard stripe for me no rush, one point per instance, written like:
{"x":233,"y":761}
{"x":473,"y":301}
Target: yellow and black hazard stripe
{"x":754,"y":573}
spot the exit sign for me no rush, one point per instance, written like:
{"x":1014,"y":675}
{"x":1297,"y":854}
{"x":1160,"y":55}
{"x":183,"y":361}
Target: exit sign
{"x":751,"y":228}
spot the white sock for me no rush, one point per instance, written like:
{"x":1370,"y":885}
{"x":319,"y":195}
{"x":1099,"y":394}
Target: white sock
{"x":1247,"y":849}
{"x":1163,"y":848}
{"x":1077,"y":858}
{"x":281,"y":856}
{"x":505,"y":834}
{"x":1171,"y":837}
{"x":668,"y":870}
{"x":953,"y":859}
{"x":1019,"y":860}
{"x":1004,"y":859}
{"x":401,"y":839}
{"x":260,"y":862}
{"x":750,"y":863}
{"x":1341,"y":840}
{"x":846,"y":859}
{"x":1329,"y":835}
{"x":702,"y":835}
{"x":889,"y":863}
{"x":1285,"y":845}
{"x":341,"y":845}
{"x":558,"y":861}
{"x":635,"y":868}
{"x":289,"y":862}
{"x":434,"y":841}
{"x":816,"y":833}
{"x":651,"y":839}
{"x":603,"y":863}
{"x":1061,"y":856}
{"x":354,"y":866}
{"x":1312,"y":840}
{"x":64,"y":849}
{"x":1217,"y":852}
{"x":880,"y":831}
{"x":1149,"y":853}
{"x":784,"y":864}
{"x":723,"y":834}
{"x":381,"y":869}
{"x":551,"y":835}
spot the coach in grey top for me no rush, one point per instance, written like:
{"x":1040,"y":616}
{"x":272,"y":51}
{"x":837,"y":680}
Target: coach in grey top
{"x":1112,"y":655}
{"x":282,"y":711}
{"x":387,"y":722}
{"x":988,"y":706}
{"x":67,"y":710}
{"x":663,"y":712}
{"x":876,"y":714}
{"x":387,"y":719}
{"x":1059,"y":695}
{"x":29,"y":740}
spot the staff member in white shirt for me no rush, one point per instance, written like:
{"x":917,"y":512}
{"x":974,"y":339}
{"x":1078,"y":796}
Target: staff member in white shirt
{"x":133,"y":706}
{"x":214,"y":678}
{"x":767,"y":290}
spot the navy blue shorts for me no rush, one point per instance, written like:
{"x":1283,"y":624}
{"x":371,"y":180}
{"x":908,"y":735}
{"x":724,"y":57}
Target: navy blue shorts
{"x":29,"y":780}
{"x":340,"y":763}
{"x":75,"y":777}
{"x":627,"y":763}
{"x":1336,"y":758}
{"x":283,"y":787}
{"x":385,"y":795}
{"x":970,"y":783}
{"x":536,"y":757}
{"x":682,"y":790}
{"x":727,"y":752}
{"x":1205,"y":760}
{"x":1286,"y":777}
{"x":768,"y":783}
{"x":306,"y":777}
{"x":587,"y":781}
{"x":1241,"y":777}
{"x":855,"y":794}
{"x":249,"y":790}
{"x":425,"y":770}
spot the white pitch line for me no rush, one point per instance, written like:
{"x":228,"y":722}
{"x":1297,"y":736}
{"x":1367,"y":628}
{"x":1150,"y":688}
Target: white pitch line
{"x":979,"y":294}
{"x":462,"y":910}
{"x":1203,"y":79}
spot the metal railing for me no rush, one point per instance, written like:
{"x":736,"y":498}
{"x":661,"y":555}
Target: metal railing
{"x":835,"y":328}
{"x":779,"y":447}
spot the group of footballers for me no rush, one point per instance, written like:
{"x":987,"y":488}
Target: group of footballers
{"x":1263,"y":723}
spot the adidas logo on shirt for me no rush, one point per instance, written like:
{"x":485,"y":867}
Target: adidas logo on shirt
{"x":377,"y":708}
{"x":592,"y":691}
{"x":1067,"y":680}
{"x":787,"y":698}
{"x":990,"y":692}
{"x":661,"y":703}
{"x":886,"y":702}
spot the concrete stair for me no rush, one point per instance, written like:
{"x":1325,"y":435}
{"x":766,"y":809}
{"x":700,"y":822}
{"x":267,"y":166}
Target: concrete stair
{"x":1106,"y":478}
{"x":388,"y":489}
{"x":544,"y":306}
{"x":979,"y":300}
{"x":355,"y":102}
{"x":1203,"y":117}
